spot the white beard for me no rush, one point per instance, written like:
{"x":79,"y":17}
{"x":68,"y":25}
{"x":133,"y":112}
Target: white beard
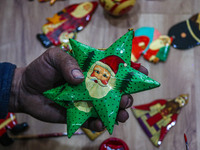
{"x":97,"y":90}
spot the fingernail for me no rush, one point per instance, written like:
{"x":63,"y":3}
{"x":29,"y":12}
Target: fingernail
{"x":77,"y":74}
{"x":128,"y":103}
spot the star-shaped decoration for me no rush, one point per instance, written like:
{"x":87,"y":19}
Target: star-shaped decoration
{"x":108,"y":76}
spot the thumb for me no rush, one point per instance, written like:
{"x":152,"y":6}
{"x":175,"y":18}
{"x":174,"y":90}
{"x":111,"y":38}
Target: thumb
{"x":66,"y":65}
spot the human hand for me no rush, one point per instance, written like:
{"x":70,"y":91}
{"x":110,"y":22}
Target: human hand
{"x":51,"y":69}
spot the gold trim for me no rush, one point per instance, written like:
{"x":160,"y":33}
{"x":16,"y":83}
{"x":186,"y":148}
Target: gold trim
{"x":191,"y":32}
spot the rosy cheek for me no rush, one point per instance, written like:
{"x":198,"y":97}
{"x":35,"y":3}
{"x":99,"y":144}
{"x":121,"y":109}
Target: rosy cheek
{"x":105,"y":82}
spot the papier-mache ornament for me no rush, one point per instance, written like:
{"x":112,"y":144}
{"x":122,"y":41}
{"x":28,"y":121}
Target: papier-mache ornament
{"x":108,"y":75}
{"x":10,"y":124}
{"x":186,"y":34}
{"x":151,"y":44}
{"x":117,"y":7}
{"x":157,"y":118}
{"x":64,"y":24}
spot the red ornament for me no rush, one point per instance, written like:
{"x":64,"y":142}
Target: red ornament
{"x":64,"y":24}
{"x":114,"y":144}
{"x":10,"y":123}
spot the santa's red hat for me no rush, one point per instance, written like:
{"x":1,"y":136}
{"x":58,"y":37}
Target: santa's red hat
{"x":111,"y":63}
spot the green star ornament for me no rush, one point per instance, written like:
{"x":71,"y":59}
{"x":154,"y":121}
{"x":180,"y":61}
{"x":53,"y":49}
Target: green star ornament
{"x":108,"y":76}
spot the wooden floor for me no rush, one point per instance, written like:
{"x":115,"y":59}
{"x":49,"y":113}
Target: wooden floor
{"x":22,"y":20}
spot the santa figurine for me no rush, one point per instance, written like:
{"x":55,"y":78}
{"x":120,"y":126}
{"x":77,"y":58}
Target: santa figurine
{"x":151,"y":44}
{"x":159,"y":49}
{"x":66,"y":23}
{"x":157,"y":118}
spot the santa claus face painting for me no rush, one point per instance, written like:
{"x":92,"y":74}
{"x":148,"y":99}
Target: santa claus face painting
{"x":101,"y":76}
{"x":99,"y":81}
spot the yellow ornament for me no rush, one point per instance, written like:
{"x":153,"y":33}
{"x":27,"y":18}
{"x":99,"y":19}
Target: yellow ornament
{"x":117,"y":7}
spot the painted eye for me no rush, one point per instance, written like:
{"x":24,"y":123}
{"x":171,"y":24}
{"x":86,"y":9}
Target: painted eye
{"x":97,"y":71}
{"x":105,"y":75}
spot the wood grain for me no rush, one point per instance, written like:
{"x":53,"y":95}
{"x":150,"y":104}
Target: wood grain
{"x":22,"y":20}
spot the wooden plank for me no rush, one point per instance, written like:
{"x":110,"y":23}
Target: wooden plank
{"x":22,"y":20}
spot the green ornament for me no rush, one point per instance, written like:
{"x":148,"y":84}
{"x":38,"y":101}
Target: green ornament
{"x":108,"y":76}
{"x":77,"y":113}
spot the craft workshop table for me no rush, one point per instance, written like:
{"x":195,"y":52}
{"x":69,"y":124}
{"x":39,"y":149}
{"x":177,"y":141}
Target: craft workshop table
{"x":22,"y":20}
